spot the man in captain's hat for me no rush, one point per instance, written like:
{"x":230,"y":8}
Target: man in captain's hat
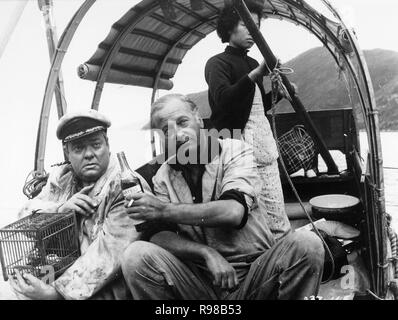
{"x":89,"y":184}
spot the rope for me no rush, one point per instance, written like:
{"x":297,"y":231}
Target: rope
{"x":395,"y":247}
{"x":33,"y":186}
{"x":60,"y":164}
{"x":392,"y":236}
{"x":394,"y":242}
{"x":276,"y":84}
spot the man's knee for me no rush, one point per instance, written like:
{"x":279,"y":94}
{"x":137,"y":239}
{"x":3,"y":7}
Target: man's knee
{"x":134,"y":257}
{"x":309,"y":245}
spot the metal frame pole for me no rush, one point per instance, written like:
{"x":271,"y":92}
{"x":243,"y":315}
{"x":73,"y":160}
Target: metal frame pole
{"x":45,"y":7}
{"x":58,"y":57}
{"x":376,"y":161}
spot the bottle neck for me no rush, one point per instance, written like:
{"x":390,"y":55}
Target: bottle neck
{"x":123,"y":161}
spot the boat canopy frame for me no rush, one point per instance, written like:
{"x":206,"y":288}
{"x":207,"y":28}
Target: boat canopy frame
{"x":133,"y":39}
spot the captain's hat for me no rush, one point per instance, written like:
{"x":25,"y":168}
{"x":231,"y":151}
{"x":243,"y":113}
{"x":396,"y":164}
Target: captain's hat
{"x":76,"y":125}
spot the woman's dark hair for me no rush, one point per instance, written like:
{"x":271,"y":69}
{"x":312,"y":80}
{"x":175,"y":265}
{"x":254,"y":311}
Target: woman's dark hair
{"x":229,"y":18}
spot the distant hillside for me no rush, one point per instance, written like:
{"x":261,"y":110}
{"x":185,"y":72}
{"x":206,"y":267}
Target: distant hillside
{"x":321,"y":87}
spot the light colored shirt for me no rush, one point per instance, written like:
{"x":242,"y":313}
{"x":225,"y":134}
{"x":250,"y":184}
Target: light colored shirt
{"x":232,"y":169}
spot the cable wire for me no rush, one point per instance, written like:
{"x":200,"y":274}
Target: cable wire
{"x":277,"y":83}
{"x":33,"y":186}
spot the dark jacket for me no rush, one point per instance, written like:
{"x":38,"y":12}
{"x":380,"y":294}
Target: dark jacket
{"x":231,"y":91}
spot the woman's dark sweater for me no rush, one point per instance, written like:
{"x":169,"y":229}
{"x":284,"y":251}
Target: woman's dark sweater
{"x":231,"y":91}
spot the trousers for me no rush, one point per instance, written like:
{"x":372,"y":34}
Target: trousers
{"x":290,"y":270}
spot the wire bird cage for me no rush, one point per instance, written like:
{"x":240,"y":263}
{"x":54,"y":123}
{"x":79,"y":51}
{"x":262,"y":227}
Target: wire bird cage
{"x":38,"y":244}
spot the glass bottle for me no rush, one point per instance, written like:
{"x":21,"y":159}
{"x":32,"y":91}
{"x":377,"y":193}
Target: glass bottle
{"x":130,"y":185}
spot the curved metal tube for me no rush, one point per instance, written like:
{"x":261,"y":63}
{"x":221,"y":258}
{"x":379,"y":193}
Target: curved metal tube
{"x":336,"y":43}
{"x":347,"y":62}
{"x":317,"y":19}
{"x":367,"y":100}
{"x":46,"y":7}
{"x":370,"y":116}
{"x":376,"y":163}
{"x":62,"y":47}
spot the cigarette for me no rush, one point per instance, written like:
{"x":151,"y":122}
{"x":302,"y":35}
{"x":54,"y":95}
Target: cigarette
{"x":130,"y":203}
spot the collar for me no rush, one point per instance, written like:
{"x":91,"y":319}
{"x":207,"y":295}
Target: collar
{"x":210,"y":157}
{"x":236,"y":51}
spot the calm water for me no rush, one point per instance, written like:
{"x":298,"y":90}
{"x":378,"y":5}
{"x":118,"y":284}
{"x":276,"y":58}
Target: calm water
{"x":390,"y":163}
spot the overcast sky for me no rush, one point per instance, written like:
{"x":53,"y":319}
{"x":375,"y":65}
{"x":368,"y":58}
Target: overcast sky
{"x":24,"y":67}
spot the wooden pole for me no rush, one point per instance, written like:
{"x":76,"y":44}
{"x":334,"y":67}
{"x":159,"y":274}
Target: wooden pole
{"x":296,"y":103}
{"x":45,"y":7}
{"x":59,"y":55}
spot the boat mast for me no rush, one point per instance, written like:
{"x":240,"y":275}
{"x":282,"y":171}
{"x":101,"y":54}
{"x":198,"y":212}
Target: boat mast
{"x":45,"y":7}
{"x":59,"y":55}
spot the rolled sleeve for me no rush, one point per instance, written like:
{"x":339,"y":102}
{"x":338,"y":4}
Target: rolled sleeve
{"x":240,"y":172}
{"x":240,"y":198}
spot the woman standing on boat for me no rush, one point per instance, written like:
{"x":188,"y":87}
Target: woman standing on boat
{"x":238,"y":101}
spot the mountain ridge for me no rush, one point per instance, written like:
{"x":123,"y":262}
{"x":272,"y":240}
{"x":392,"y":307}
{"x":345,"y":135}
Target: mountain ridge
{"x":320,"y":86}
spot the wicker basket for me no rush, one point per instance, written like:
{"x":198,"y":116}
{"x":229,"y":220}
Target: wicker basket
{"x":297,"y":149}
